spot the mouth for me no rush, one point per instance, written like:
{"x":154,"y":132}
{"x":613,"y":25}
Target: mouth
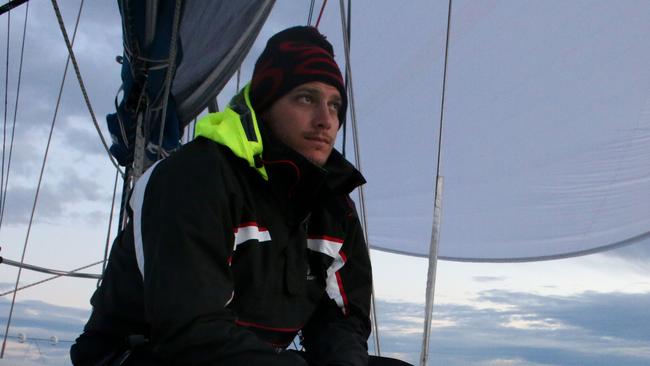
{"x":319,"y":139}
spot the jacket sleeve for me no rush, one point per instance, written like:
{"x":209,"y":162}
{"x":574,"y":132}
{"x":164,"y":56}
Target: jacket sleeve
{"x":185,"y":237}
{"x":337,"y":335}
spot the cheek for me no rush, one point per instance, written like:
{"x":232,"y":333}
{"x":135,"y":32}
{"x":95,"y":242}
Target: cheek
{"x":333,"y":134}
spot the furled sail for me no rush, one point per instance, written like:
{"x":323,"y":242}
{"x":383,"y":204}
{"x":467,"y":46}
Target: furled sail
{"x":203,"y":42}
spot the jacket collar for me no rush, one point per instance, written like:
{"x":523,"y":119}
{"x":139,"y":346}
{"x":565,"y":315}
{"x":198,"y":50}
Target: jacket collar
{"x":299,"y":177}
{"x":239,"y":129}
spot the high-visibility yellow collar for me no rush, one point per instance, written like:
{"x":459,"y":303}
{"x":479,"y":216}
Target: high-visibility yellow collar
{"x":236,"y":128}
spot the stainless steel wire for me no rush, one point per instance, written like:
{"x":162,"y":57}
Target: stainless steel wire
{"x":81,"y":82}
{"x":38,"y":186}
{"x":357,"y":157}
{"x":5,"y":184}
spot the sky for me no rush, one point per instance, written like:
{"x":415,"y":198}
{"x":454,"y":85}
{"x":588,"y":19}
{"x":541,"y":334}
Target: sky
{"x":587,"y":310}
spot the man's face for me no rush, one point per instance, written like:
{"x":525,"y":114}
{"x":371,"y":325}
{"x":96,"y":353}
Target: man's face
{"x":306,"y":119}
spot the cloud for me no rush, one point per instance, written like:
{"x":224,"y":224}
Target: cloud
{"x":77,"y":162}
{"x":98,"y":41}
{"x":38,"y":322}
{"x":509,"y":362}
{"x":617,"y":315}
{"x":488,"y":278}
{"x":71,"y":178}
{"x":636,"y":255}
{"x":81,"y":136}
{"x":57,"y":200}
{"x":585,"y":329}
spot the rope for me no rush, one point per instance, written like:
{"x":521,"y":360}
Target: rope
{"x":38,"y":186}
{"x":355,"y":134}
{"x":320,"y":15}
{"x":311,"y":11}
{"x":170,"y":71}
{"x":80,"y":80}
{"x":72,"y":273}
{"x":2,"y":174}
{"x":13,"y":128}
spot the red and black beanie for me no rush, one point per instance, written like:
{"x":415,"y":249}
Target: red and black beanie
{"x":291,"y":58}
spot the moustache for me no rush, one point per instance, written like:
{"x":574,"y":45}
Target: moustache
{"x":318,"y":137}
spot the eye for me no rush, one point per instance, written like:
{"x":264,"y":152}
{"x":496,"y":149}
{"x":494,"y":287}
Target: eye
{"x":305,"y":98}
{"x":335,"y":106}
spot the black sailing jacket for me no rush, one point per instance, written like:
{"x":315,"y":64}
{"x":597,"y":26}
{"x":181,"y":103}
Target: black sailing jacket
{"x":226,"y":254}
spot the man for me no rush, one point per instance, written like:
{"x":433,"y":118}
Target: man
{"x":246,"y":236}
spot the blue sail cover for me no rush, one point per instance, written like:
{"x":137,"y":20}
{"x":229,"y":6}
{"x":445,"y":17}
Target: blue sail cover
{"x":212,"y":40}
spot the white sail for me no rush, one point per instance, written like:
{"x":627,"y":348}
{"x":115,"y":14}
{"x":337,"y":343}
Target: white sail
{"x":546,"y":126}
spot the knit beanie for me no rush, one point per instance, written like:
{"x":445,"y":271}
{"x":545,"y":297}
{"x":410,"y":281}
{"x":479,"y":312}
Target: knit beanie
{"x":293,"y":57}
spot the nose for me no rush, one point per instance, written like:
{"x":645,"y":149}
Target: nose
{"x":325,"y":117}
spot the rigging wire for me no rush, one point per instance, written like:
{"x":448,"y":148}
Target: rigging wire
{"x":38,"y":348}
{"x":429,"y":297}
{"x":238,"y":78}
{"x":311,"y":11}
{"x":4,"y":133}
{"x":10,"y":5}
{"x":189,"y":131}
{"x":37,"y":339}
{"x":171,"y":68}
{"x":320,"y":15}
{"x":357,"y":156}
{"x":13,"y":128}
{"x":32,"y":267}
{"x":126,"y":185}
{"x":194,"y":126}
{"x":40,"y":179}
{"x":81,"y":82}
{"x":57,"y":274}
{"x":347,"y":77}
{"x":110,"y":224}
{"x":442,"y":97}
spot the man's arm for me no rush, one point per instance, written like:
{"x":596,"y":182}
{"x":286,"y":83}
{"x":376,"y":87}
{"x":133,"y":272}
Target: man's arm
{"x":186,"y":232}
{"x":335,"y":335}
